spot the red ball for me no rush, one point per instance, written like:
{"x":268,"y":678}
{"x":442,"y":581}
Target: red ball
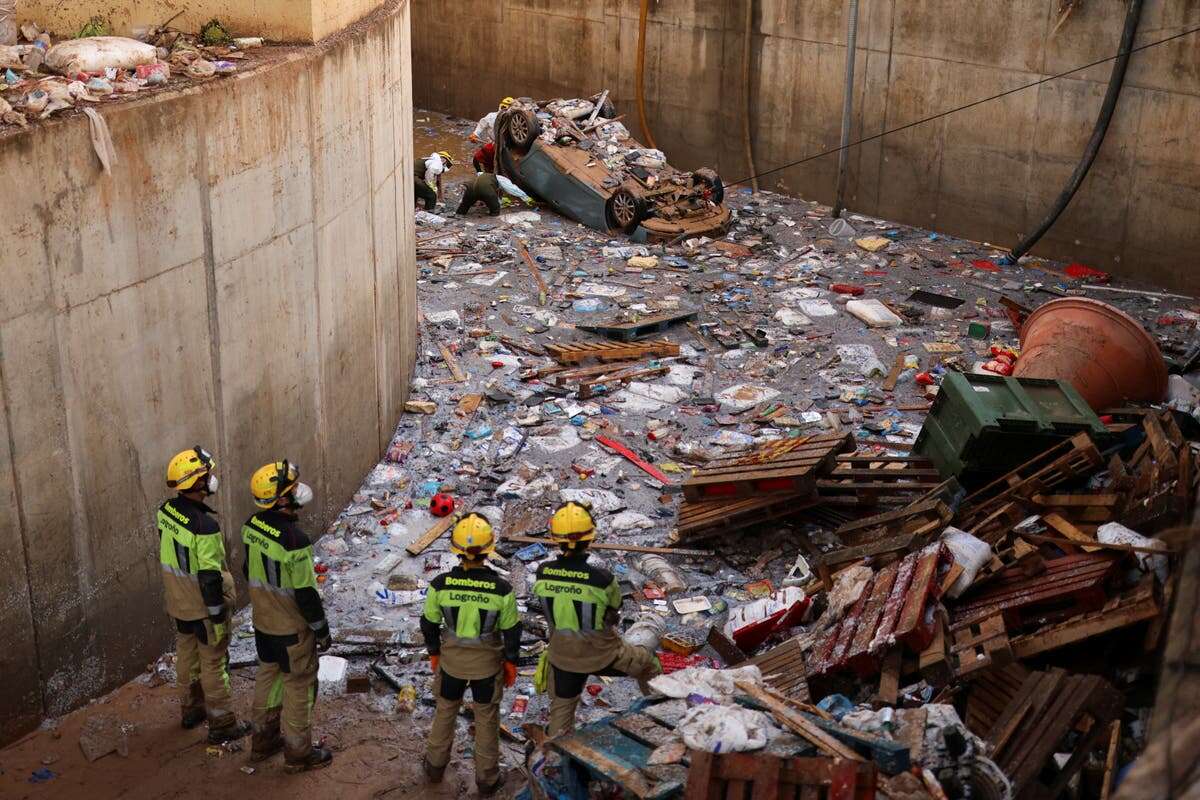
{"x":441,"y":505}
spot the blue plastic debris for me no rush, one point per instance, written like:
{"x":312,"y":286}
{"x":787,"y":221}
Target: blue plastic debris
{"x":531,"y":552}
{"x":838,"y":705}
{"x":41,"y":775}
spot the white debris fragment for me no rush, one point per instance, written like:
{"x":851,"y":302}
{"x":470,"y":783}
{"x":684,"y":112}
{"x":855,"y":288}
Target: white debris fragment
{"x":745,"y":396}
{"x":331,"y":675}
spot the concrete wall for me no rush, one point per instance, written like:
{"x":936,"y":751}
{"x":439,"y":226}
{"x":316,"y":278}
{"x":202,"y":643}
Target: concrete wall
{"x":245,"y":279}
{"x":988,"y":173}
{"x":277,"y":20}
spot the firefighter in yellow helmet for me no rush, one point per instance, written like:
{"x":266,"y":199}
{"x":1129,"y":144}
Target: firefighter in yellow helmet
{"x":581,"y":602}
{"x":199,"y":595}
{"x":473,"y":635}
{"x":485,"y":129}
{"x":290,"y":628}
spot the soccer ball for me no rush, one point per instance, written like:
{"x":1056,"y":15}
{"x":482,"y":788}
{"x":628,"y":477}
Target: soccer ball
{"x":441,"y":505}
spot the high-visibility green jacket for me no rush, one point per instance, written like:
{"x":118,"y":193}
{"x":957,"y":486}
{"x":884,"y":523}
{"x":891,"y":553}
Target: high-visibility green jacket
{"x":470,"y":620}
{"x":191,"y":552}
{"x":279,"y":569}
{"x":581,"y":602}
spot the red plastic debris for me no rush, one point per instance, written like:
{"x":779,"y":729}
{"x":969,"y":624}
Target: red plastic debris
{"x":497,"y":364}
{"x":673,"y":662}
{"x":632,"y":457}
{"x":985,"y":264}
{"x":876,"y":273}
{"x":999,"y":367}
{"x":925,"y":379}
{"x":594,"y":689}
{"x":1084,"y":271}
{"x":320,"y":569}
{"x":847,"y":288}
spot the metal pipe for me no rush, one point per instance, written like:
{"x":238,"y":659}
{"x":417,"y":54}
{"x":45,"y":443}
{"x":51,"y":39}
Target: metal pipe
{"x":1115,"y":81}
{"x":839,"y":204}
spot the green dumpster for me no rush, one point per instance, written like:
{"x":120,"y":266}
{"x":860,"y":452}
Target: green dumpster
{"x":981,"y":426}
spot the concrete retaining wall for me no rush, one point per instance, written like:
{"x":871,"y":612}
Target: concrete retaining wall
{"x":988,"y":173}
{"x":245,"y":280}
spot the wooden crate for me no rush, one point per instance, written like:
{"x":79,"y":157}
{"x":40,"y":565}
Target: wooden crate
{"x":757,"y":776}
{"x":783,"y":670}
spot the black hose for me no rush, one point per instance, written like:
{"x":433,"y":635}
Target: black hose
{"x":1115,"y":82}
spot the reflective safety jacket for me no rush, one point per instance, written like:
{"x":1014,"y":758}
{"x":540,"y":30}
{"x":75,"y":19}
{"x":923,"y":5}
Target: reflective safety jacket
{"x":279,"y":569}
{"x":470,"y":620}
{"x":581,"y":602}
{"x":191,"y":551}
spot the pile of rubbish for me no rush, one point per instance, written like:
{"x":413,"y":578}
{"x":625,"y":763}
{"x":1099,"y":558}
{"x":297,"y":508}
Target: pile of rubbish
{"x":42,"y":77}
{"x":890,"y":545}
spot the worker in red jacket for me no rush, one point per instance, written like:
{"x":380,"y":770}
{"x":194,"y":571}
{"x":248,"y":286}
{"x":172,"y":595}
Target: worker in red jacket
{"x":485,"y":158}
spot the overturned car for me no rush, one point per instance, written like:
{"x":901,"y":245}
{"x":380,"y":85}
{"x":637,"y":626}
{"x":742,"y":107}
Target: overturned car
{"x":582,"y":161}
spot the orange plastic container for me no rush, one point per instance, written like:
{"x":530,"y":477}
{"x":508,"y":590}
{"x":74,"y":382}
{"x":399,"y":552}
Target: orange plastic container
{"x":1103,"y":352}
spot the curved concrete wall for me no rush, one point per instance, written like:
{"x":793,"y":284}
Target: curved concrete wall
{"x":988,"y":173}
{"x":244,"y":279}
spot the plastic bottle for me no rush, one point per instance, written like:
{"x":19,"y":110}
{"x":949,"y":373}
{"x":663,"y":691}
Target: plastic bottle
{"x":661,"y":573}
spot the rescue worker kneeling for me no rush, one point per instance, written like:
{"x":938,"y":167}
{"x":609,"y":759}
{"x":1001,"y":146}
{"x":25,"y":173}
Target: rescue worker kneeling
{"x":290,"y":628}
{"x":582,"y":602}
{"x":473,"y":635}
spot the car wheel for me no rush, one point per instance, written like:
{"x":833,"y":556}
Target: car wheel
{"x":712,"y":181}
{"x":522,"y":129}
{"x":624,"y":211}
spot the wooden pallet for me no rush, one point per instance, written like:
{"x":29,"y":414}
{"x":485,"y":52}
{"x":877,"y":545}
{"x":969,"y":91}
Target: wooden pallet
{"x":893,"y":607}
{"x":1136,"y":605}
{"x":783,"y":670}
{"x":604,"y":750}
{"x":712,"y":517}
{"x":577,"y":352}
{"x":991,"y":691}
{"x":786,"y":465}
{"x":628,"y":331}
{"x":1070,"y":585}
{"x":1048,"y":708}
{"x":757,"y":776}
{"x":872,"y":480}
{"x":980,"y":645}
{"x":989,"y":512}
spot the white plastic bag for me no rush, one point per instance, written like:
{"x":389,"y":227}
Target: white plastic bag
{"x":969,"y":553}
{"x":98,"y":53}
{"x":715,"y":684}
{"x":1116,"y":533}
{"x":724,"y":729}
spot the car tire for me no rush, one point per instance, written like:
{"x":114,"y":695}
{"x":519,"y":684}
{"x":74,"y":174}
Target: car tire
{"x":711,"y":180}
{"x":522,"y":129}
{"x":624,"y":211}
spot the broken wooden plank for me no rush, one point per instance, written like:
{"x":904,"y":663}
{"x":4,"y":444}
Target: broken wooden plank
{"x":452,"y":362}
{"x":430,"y":536}
{"x":468,"y":404}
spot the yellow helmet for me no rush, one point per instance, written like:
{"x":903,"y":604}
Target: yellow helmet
{"x":473,"y":537}
{"x":572,"y":524}
{"x":506,"y":102}
{"x":445,"y":154}
{"x":188,"y":467}
{"x":272,"y":482}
